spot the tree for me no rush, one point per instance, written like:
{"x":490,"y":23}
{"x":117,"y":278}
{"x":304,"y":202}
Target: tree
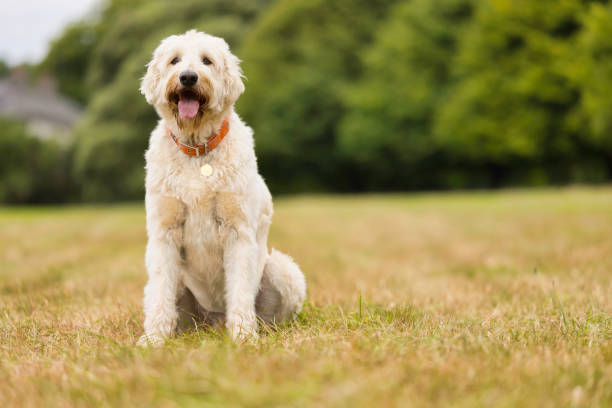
{"x":353,"y":96}
{"x":509,"y":115}
{"x":298,"y":60}
{"x":593,"y":117}
{"x":393,"y":108}
{"x":68,"y":60}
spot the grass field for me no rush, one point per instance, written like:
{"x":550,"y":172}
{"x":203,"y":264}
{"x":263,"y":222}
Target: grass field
{"x":453,"y":300}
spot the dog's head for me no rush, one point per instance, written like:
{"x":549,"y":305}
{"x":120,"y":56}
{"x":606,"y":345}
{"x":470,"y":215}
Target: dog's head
{"x":191,"y":76}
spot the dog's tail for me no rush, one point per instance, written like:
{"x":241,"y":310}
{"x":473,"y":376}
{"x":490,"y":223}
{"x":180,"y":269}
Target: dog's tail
{"x":282,"y":290}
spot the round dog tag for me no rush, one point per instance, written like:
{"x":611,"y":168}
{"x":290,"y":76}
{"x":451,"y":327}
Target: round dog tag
{"x":206,"y":170}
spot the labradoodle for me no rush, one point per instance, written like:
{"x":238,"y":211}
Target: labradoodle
{"x":208,"y":209}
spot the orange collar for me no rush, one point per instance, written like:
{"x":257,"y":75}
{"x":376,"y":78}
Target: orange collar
{"x":205,"y":148}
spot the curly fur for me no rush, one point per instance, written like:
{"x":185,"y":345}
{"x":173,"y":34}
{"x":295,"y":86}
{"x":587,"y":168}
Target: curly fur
{"x":207,"y":255}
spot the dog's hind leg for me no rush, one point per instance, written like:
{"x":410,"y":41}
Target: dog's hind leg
{"x":282,"y":290}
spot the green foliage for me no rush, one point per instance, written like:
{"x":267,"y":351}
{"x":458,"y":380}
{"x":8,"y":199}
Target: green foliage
{"x":344,"y":95}
{"x":513,"y":96}
{"x":4,"y":68}
{"x":392,"y":108}
{"x":477,"y":94}
{"x":31,"y":170}
{"x":68,"y":59}
{"x":594,"y":77}
{"x":298,"y":59}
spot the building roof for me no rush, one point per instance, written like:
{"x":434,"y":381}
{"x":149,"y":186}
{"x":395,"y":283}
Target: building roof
{"x":36,"y":103}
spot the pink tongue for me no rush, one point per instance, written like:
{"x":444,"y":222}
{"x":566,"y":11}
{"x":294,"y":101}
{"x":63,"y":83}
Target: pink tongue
{"x":188,"y":108}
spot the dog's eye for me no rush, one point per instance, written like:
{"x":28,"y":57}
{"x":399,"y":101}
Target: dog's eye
{"x":206,"y":61}
{"x":175,"y":60}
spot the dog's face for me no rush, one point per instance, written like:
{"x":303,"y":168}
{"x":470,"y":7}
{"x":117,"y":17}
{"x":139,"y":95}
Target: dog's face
{"x":191,"y":76}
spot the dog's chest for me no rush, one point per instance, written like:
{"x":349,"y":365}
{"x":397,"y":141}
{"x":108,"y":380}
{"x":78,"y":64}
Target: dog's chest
{"x":212,"y":212}
{"x":202,"y":251}
{"x":194,"y":180}
{"x":211,"y":216}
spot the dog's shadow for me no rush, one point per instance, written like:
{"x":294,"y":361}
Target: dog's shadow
{"x":192,"y":316}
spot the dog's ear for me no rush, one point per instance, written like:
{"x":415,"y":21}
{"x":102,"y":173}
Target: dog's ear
{"x":149,"y":86}
{"x":233,"y":86}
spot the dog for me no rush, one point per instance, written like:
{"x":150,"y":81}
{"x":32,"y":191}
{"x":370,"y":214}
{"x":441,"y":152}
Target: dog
{"x":208,"y":210}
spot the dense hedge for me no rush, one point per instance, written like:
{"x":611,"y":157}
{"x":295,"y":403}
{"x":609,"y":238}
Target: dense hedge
{"x":32,"y":170}
{"x":354,"y":96}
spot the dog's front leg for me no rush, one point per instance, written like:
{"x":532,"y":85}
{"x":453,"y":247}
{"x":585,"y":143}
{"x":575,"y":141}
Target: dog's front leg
{"x":160,"y":294}
{"x":241,"y":285}
{"x":165,"y":220}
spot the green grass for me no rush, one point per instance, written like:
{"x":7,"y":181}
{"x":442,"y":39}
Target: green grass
{"x":456,"y":300}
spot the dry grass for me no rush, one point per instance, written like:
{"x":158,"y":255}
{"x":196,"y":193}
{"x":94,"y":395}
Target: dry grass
{"x":485,"y":299}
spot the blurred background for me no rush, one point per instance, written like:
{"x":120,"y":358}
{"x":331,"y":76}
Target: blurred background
{"x":344,"y":96}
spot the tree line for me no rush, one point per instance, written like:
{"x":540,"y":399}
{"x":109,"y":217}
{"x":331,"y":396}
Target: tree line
{"x":360,"y":96}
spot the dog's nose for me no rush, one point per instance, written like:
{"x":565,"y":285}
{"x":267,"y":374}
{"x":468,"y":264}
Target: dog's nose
{"x":188,"y":78}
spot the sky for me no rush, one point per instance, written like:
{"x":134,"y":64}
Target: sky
{"x":27,"y":26}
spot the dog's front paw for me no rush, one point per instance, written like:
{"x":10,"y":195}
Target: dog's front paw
{"x":153,"y":340}
{"x":242,"y":328}
{"x":157,"y":331}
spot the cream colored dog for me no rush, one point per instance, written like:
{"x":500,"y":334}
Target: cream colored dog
{"x":208,"y":209}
